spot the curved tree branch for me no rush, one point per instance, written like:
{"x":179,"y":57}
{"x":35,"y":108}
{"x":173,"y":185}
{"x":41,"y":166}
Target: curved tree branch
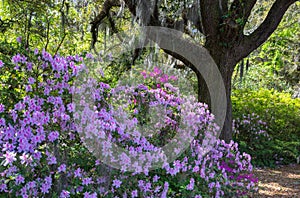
{"x":264,"y":31}
{"x":61,"y":42}
{"x":108,"y":4}
{"x":242,"y":10}
{"x":202,"y":87}
{"x":211,"y":18}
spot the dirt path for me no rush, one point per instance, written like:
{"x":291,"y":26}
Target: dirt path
{"x":279,"y":182}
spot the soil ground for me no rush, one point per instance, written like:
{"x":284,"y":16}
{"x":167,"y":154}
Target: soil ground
{"x":282,"y":181}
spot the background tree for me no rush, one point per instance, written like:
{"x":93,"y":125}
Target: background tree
{"x":56,"y":26}
{"x":221,"y":22}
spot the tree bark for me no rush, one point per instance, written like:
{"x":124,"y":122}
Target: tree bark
{"x":226,"y":61}
{"x":204,"y":96}
{"x":226,"y":68}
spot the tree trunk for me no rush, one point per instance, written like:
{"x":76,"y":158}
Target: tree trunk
{"x":226,"y":63}
{"x":226,"y":133}
{"x":203,"y":92}
{"x":204,"y":96}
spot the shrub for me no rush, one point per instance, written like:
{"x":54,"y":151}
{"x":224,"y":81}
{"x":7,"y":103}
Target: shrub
{"x":267,"y":124}
{"x":250,"y":132}
{"x":42,"y":152}
{"x":279,"y":110}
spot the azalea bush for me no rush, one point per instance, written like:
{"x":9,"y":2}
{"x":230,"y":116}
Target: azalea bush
{"x":251,"y":134}
{"x":267,"y":126}
{"x":47,"y":136}
{"x":278,"y":109}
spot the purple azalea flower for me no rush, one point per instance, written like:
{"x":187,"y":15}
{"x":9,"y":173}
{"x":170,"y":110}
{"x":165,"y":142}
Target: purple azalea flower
{"x":89,"y":195}
{"x":19,"y":39}
{"x":51,"y":160}
{"x":20,"y":179}
{"x":134,"y":194}
{"x":53,"y":136}
{"x":31,"y":80}
{"x":190,"y":186}
{"x":87,"y":181}
{"x":71,"y":107}
{"x":64,"y":194}
{"x":156,"y":178}
{"x":117,"y":183}
{"x":10,"y":157}
{"x":62,"y":168}
{"x":1,"y":63}
{"x":77,"y":173}
{"x":89,"y":56}
{"x":144,"y":74}
{"x":2,"y":108}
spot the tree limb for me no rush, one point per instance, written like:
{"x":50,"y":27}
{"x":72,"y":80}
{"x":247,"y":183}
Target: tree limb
{"x":193,"y":14}
{"x":61,"y":42}
{"x":29,"y":25}
{"x":108,"y":4}
{"x":264,"y":31}
{"x":233,"y":20}
{"x":242,"y":8}
{"x":211,"y":16}
{"x":131,"y":4}
{"x":223,"y":4}
{"x":248,"y":6}
{"x":202,"y":86}
{"x":47,"y":34}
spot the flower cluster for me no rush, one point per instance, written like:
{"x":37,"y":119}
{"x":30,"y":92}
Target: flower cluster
{"x":252,"y":125}
{"x":45,"y":135}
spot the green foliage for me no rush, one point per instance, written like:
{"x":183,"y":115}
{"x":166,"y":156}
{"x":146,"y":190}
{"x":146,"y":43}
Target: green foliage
{"x":282,"y":116}
{"x":275,"y":64}
{"x":58,"y":26}
{"x":279,"y":110}
{"x":12,"y":81}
